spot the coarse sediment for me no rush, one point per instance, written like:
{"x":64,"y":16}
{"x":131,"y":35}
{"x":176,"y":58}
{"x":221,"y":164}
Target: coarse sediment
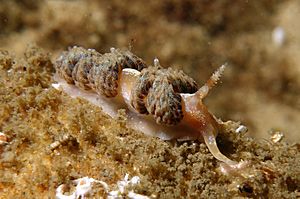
{"x":33,"y":115}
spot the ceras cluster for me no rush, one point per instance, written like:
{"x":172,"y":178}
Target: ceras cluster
{"x":156,"y":91}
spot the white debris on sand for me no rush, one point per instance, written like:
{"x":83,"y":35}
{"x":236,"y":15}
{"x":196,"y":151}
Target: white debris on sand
{"x":276,"y":136}
{"x":84,"y":187}
{"x":3,"y":138}
{"x":122,"y":189}
{"x":56,"y":86}
{"x":241,"y":129}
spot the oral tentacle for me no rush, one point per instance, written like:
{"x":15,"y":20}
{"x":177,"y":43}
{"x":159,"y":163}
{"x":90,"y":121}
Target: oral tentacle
{"x":210,"y":141}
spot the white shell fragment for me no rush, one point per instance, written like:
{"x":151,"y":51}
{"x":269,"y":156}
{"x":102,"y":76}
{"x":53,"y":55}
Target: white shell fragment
{"x":84,"y":186}
{"x":3,"y":138}
{"x":122,"y":186}
{"x":241,"y":129}
{"x":156,"y":62}
{"x":55,"y":85}
{"x":276,"y":136}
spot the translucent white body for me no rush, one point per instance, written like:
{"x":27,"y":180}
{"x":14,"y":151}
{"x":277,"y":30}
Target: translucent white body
{"x":143,"y":123}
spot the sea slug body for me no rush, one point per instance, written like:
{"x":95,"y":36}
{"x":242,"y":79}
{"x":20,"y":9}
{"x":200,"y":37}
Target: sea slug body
{"x":161,"y":102}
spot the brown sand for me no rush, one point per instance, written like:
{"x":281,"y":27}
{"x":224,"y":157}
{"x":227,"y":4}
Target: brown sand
{"x":260,"y":89}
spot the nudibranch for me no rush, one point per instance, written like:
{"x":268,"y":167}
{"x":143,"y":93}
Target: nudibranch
{"x":165,"y":103}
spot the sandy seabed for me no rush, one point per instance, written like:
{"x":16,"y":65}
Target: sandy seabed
{"x":260,"y":89}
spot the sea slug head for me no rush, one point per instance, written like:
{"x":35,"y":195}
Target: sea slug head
{"x":196,"y":113}
{"x":197,"y":116}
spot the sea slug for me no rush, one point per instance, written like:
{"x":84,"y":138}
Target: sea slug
{"x":165,"y":103}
